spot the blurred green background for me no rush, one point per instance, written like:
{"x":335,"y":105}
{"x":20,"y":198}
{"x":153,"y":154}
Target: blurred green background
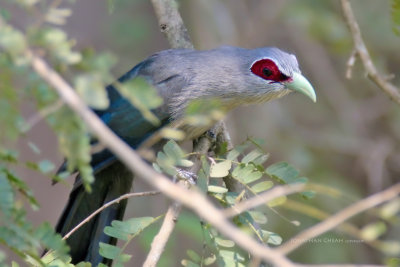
{"x":348,"y":140}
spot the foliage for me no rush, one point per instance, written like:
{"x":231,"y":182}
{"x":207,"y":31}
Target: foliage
{"x":396,"y":16}
{"x":89,"y":72}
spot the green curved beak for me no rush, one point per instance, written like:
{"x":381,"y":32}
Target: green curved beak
{"x":302,"y":85}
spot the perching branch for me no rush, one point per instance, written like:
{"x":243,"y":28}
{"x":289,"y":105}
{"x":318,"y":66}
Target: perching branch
{"x":171,"y":23}
{"x":172,"y":26}
{"x":340,"y":217}
{"x":388,"y":88}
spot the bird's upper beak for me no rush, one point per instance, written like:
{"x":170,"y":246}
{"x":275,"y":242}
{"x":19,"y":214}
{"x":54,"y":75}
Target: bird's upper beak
{"x":300,"y":84}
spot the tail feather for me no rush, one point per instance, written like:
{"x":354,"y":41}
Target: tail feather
{"x":110,"y":183}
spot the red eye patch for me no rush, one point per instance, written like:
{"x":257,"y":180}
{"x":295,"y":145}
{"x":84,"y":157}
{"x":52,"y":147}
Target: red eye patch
{"x":267,"y":69}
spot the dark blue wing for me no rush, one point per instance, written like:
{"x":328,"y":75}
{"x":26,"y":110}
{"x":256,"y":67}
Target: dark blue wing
{"x":126,"y":121}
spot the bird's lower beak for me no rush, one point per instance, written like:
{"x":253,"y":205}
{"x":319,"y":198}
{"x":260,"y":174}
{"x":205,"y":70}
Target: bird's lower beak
{"x":300,"y":84}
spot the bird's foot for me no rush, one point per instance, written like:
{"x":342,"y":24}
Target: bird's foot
{"x":186,"y":175}
{"x":212,"y":135}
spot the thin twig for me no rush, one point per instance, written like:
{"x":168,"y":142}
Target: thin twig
{"x":160,"y":240}
{"x":117,"y":200}
{"x":43,"y":113}
{"x":390,"y":89}
{"x":338,"y":218}
{"x":263,"y":198}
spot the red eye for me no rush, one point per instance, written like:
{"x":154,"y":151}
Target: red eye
{"x":267,"y":69}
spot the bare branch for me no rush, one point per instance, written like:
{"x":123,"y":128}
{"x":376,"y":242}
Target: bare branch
{"x":160,"y":240}
{"x":390,"y":89}
{"x":37,"y":117}
{"x":171,"y":23}
{"x":117,"y":200}
{"x":340,"y":217}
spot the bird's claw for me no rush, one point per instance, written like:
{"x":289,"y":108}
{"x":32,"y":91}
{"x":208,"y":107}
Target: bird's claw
{"x":186,"y":175}
{"x":211,"y":134}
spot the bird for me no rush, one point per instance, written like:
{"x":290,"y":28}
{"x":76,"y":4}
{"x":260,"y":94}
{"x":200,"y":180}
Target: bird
{"x":233,"y":75}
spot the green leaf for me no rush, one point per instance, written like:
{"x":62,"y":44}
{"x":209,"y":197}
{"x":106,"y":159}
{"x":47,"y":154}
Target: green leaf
{"x":232,"y":258}
{"x":6,"y":194}
{"x":392,"y":262}
{"x":372,"y":231}
{"x":258,"y":217}
{"x":283,"y":172}
{"x":143,"y":96}
{"x":224,"y":242}
{"x":271,"y":238}
{"x":133,"y":225}
{"x":221,"y":169}
{"x":202,"y":112}
{"x":45,"y":233}
{"x":396,"y":16}
{"x":116,"y":232}
{"x":8,"y":155}
{"x":46,"y":166}
{"x":193,"y":255}
{"x":74,"y":143}
{"x":390,"y":209}
{"x":217,"y":189}
{"x":210,"y":260}
{"x":171,"y":156}
{"x":262,"y":186}
{"x":58,"y":16}
{"x":109,"y":251}
{"x":124,"y":258}
{"x":188,"y":263}
{"x":254,"y":154}
{"x":12,"y":40}
{"x":57,"y":42}
{"x":234,"y":153}
{"x":173,"y":151}
{"x":390,"y":247}
{"x":87,"y":264}
{"x":166,"y":163}
{"x":308,"y":194}
{"x":171,"y":133}
{"x":23,"y":188}
{"x":91,"y":88}
{"x":277,"y":201}
{"x":246,"y":174}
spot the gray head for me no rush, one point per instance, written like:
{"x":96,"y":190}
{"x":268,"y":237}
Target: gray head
{"x":272,"y":73}
{"x":241,"y":76}
{"x":234,"y":75}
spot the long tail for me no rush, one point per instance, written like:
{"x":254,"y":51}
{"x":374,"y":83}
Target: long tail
{"x":110,"y":183}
